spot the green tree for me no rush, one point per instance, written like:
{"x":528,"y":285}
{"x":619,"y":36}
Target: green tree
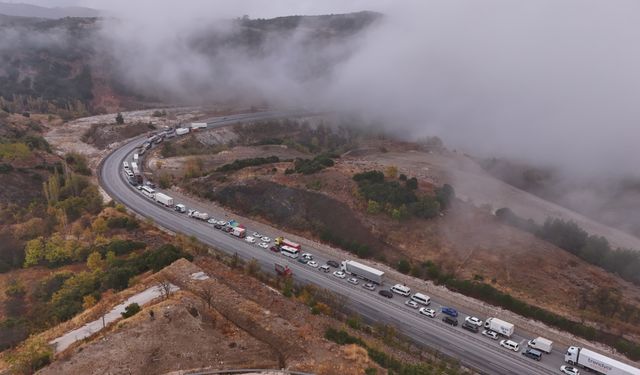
{"x":374,"y":207}
{"x":32,"y":355}
{"x":131,"y":310}
{"x":34,"y":252}
{"x":445,"y":195}
{"x":119,"y":119}
{"x":412,"y":183}
{"x":95,"y":261}
{"x":404,"y":266}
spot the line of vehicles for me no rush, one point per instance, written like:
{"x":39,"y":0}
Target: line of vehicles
{"x":354,"y":271}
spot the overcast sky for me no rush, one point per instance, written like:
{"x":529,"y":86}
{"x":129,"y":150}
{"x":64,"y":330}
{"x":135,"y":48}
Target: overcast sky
{"x":552,"y":81}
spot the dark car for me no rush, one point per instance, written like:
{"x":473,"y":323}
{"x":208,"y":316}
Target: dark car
{"x":449,"y":320}
{"x":274,"y":249}
{"x":532,"y":353}
{"x":303,"y":260}
{"x":227,"y":229}
{"x":450,"y":311}
{"x":386,"y":293}
{"x":333,"y":263}
{"x":470,"y":327}
{"x":217,"y":226}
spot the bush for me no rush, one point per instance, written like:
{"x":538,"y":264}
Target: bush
{"x":244,"y":163}
{"x":164,"y":256}
{"x":122,"y":222}
{"x":404,"y":266}
{"x":130,"y":310}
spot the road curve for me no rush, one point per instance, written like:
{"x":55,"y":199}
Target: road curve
{"x":472,"y":350}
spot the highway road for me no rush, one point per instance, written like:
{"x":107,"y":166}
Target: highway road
{"x":473,"y":350}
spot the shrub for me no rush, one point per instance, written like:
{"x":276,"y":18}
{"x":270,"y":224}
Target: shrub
{"x":244,"y":163}
{"x":130,"y":310}
{"x":123,"y":222}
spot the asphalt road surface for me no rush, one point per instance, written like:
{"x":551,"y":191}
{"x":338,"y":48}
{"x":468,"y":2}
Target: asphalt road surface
{"x":473,"y":350}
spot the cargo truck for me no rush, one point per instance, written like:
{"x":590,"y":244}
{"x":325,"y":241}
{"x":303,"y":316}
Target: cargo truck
{"x":363,"y":271}
{"x":284,"y":271}
{"x":499,"y":326}
{"x":164,"y":199}
{"x":199,"y":215}
{"x":239,"y":232}
{"x":598,"y":362}
{"x":198,"y":125}
{"x":542,"y":344}
{"x":281,"y":241}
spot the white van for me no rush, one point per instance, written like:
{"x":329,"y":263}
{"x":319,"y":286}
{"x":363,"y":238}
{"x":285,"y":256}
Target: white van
{"x":512,"y":345}
{"x":421,"y":299}
{"x":402,"y":290}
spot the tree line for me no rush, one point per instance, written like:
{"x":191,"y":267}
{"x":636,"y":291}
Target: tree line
{"x":571,"y":237}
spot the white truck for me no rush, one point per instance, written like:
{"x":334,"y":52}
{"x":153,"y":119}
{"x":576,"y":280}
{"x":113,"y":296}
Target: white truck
{"x":180,"y":208}
{"x":164,"y":199}
{"x":598,"y":362}
{"x":499,"y":326}
{"x":198,"y":125}
{"x":238,"y":232}
{"x":182,"y":131}
{"x":542,"y":344}
{"x":199,"y":215}
{"x":363,"y":271}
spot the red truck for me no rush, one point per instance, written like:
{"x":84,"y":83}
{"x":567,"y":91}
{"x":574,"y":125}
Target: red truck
{"x":284,"y":271}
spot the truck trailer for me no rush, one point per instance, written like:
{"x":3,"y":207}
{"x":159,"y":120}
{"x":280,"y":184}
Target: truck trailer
{"x":542,"y":344}
{"x":199,"y":215}
{"x":363,"y":271}
{"x":164,"y":199}
{"x":281,"y":241}
{"x":598,"y":362}
{"x":198,"y":125}
{"x":499,"y":326}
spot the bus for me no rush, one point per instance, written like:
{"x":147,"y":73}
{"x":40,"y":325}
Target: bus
{"x":289,"y":251}
{"x":147,"y":191}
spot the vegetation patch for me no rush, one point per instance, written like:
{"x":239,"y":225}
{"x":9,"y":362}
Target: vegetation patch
{"x":398,"y":199}
{"x":569,"y":236}
{"x":311,"y":166}
{"x":244,"y":163}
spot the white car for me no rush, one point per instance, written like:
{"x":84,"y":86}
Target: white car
{"x":569,"y":370}
{"x":473,"y":320}
{"x":256,"y":234}
{"x":339,"y":274}
{"x":307,"y":256}
{"x":369,"y":286}
{"x":250,"y":239}
{"x":431,"y":313}
{"x":510,"y":344}
{"x":312,"y":263}
{"x":411,"y":303}
{"x":222,"y":222}
{"x":212,"y":221}
{"x":353,"y":280}
{"x":490,"y":334}
{"x":263,"y":245}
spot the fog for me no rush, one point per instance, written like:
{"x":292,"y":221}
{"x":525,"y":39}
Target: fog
{"x":550,"y":82}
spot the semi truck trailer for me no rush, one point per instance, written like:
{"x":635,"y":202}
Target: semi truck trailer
{"x":542,"y":344}
{"x":198,"y":125}
{"x":363,"y":271}
{"x":164,"y":199}
{"x":499,"y":326}
{"x":598,"y":362}
{"x":281,"y":241}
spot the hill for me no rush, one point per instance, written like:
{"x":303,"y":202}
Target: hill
{"x":30,"y":10}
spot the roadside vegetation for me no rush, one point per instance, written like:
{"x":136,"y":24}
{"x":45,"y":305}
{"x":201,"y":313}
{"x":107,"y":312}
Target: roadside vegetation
{"x":397,"y":198}
{"x":569,"y":236}
{"x":239,"y":164}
